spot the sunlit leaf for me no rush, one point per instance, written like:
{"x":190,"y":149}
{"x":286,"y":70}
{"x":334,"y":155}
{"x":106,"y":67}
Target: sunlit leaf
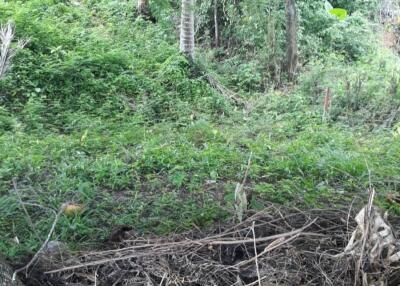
{"x":339,"y":12}
{"x":328,"y":6}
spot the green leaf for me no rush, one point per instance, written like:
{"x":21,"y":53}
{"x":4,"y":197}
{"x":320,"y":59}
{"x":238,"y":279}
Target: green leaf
{"x":339,"y":12}
{"x":328,"y":6}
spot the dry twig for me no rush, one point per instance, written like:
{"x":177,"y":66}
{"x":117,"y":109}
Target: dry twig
{"x":41,"y":249}
{"x":28,"y":217}
{"x":299,"y":248}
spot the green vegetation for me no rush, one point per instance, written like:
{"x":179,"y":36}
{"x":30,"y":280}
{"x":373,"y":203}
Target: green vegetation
{"x":102,"y":110}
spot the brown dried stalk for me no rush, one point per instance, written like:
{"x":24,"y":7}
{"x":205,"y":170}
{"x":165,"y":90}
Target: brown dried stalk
{"x":7,"y":52}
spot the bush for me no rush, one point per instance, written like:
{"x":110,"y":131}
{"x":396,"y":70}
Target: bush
{"x":7,"y":122}
{"x":322,"y":33}
{"x":365,"y":93}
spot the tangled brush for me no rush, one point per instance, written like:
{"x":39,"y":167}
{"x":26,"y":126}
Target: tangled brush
{"x":277,"y":246}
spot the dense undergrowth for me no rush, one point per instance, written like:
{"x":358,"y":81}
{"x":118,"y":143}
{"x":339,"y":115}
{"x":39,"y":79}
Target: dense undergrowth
{"x":100,"y":109}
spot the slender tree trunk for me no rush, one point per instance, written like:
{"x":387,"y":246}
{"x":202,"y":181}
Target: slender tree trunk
{"x":216,"y":25}
{"x":291,"y":38}
{"x":6,"y":275}
{"x":187,"y":29}
{"x":143,"y":8}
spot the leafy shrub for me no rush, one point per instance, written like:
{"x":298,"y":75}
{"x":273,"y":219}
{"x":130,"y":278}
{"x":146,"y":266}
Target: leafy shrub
{"x":68,"y":63}
{"x":363,"y":93}
{"x":323,"y":33}
{"x":7,"y":122}
{"x":367,"y":7}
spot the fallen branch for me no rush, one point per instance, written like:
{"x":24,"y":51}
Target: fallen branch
{"x":42,"y":248}
{"x":226,"y":92}
{"x":171,"y":247}
{"x":276,"y":246}
{"x":256,"y":254}
{"x":263,"y":239}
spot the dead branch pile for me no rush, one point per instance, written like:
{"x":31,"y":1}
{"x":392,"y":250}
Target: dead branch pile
{"x":277,"y":246}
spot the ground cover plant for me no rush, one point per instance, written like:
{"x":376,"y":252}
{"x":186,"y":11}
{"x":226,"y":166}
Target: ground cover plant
{"x":101,"y":110}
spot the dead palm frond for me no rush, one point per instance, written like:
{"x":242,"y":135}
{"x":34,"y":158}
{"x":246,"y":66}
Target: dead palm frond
{"x":7,"y":51}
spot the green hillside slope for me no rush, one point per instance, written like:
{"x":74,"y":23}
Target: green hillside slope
{"x":100,"y":109}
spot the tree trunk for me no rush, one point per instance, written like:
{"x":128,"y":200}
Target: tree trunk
{"x":187,"y":29}
{"x":291,"y":38}
{"x":216,"y":26}
{"x":6,"y":275}
{"x":143,"y":9}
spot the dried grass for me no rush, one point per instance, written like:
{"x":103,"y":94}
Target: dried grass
{"x":292,"y":247}
{"x":7,"y":51}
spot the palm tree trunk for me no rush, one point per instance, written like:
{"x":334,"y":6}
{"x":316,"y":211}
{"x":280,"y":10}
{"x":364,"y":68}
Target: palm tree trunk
{"x":291,"y":38}
{"x":216,"y":28}
{"x":187,"y":29}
